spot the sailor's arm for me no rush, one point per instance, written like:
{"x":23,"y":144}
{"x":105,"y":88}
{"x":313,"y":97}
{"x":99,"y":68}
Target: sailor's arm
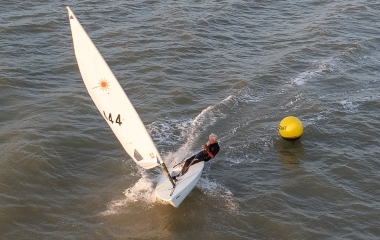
{"x":204,"y":147}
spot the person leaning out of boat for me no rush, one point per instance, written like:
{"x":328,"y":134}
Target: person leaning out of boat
{"x":209,"y":150}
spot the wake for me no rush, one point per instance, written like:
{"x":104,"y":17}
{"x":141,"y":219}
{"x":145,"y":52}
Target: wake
{"x":143,"y":191}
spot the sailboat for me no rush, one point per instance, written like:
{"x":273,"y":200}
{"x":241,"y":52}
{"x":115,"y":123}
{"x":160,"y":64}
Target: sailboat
{"x":116,"y":109}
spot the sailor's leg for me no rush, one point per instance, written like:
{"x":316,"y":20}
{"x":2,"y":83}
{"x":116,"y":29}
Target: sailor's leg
{"x":196,"y":161}
{"x":191,"y":158}
{"x":191,"y":161}
{"x":186,"y":165}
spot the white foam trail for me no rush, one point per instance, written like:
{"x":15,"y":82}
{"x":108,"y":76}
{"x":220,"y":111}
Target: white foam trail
{"x":312,"y":121}
{"x":349,"y":105}
{"x":206,"y":118}
{"x":219,"y":192}
{"x":173,"y":131}
{"x":143,"y":189}
{"x":320,"y":67}
{"x":165,"y":132}
{"x":114,"y":207}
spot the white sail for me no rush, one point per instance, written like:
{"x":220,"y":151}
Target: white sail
{"x":110,"y":99}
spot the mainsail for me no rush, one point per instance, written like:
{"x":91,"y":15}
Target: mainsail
{"x":111,"y":100}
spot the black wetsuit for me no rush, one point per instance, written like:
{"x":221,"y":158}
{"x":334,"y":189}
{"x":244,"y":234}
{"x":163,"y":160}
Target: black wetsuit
{"x":203,"y":155}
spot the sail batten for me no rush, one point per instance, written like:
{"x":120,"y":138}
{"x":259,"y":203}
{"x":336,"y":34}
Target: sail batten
{"x":111,"y":100}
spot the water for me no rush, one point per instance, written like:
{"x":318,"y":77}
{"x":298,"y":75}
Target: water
{"x":235,"y":68}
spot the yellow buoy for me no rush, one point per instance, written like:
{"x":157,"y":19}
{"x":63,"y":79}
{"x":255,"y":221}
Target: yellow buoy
{"x":290,"y":128}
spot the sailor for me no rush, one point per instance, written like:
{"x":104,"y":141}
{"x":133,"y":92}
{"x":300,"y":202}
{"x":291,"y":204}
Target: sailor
{"x":209,"y":150}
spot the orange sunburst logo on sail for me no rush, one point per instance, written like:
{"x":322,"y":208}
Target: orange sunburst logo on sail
{"x":104,"y":84}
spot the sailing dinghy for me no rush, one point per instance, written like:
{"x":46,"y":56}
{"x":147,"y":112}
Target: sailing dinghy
{"x":114,"y":105}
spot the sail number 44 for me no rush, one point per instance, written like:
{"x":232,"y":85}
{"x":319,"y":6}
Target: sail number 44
{"x":109,"y":118}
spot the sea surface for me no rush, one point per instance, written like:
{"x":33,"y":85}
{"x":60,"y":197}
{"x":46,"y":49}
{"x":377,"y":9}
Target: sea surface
{"x":234,"y":68}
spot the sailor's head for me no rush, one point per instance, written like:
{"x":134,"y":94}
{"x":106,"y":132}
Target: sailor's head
{"x":212,"y":138}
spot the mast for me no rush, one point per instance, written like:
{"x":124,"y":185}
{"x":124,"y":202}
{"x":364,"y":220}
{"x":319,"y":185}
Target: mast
{"x":166,"y":172}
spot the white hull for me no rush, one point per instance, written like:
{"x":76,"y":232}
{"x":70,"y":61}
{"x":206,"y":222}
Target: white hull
{"x":183,"y":187}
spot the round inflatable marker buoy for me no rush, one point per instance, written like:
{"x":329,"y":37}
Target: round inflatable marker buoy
{"x":290,"y":128}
